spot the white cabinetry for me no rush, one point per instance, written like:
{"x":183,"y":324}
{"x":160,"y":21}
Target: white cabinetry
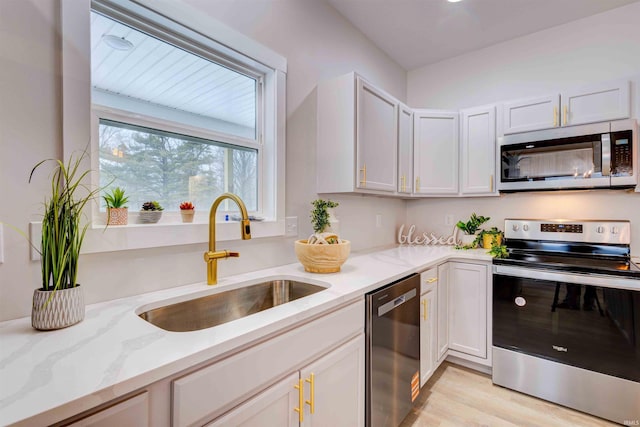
{"x":428,"y":323}
{"x":330,"y":392}
{"x":468,"y":310}
{"x":435,"y":152}
{"x":405,"y":149}
{"x":478,"y":150}
{"x":207,"y":393}
{"x":131,"y":412}
{"x":357,"y":137}
{"x":588,"y":104}
{"x":443,"y":311}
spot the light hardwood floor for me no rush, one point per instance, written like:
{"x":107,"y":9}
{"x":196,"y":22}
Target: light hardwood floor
{"x":457,"y":396}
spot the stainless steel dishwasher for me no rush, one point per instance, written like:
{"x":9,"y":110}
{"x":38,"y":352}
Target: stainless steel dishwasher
{"x":393,"y":352}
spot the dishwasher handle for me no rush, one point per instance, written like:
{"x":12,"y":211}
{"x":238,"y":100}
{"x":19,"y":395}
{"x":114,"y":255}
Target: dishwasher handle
{"x":397,"y":302}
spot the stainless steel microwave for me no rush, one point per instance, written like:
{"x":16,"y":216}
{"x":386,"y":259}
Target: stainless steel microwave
{"x":599,"y":155}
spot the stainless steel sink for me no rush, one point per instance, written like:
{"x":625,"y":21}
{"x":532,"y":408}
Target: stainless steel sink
{"x":216,"y":309}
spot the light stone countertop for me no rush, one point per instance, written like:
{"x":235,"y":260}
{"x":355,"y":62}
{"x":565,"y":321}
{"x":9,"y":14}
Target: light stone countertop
{"x":46,"y":377}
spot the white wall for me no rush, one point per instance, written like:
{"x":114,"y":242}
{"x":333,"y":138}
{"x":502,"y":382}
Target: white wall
{"x":318,"y":44}
{"x":598,"y":48}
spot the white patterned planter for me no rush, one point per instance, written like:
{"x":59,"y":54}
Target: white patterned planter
{"x":57,"y":309}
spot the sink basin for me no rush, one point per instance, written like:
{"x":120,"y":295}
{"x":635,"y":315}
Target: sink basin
{"x":223,"y":307}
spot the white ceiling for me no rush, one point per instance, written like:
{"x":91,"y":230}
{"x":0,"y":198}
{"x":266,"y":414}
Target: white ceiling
{"x":420,"y":32}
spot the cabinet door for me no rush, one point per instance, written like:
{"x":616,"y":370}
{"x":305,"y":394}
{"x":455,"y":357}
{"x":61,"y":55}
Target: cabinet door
{"x":478,"y":150}
{"x":405,"y":149}
{"x":531,"y":114}
{"x":131,"y":412}
{"x":274,"y":407}
{"x":334,"y":387}
{"x":377,"y":139}
{"x":428,"y":337}
{"x":468,"y":309}
{"x":596,"y":103}
{"x":443,"y":311}
{"x":435,"y":152}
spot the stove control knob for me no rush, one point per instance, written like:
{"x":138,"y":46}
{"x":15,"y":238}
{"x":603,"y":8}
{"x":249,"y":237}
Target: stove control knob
{"x":525,"y":227}
{"x":614,"y":230}
{"x":600,"y":229}
{"x":515,"y":227}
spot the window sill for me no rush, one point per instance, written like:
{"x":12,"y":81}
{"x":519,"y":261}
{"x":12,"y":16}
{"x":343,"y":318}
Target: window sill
{"x":143,"y":236}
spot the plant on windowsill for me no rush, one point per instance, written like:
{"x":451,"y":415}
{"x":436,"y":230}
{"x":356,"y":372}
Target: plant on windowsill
{"x":150,"y":213}
{"x":470,"y":229}
{"x":60,"y":302}
{"x":323,"y":251}
{"x":117,"y":212}
{"x":187,"y":211}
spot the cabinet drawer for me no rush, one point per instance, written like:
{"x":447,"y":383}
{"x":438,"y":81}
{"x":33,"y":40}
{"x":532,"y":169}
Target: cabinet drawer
{"x":208,"y":392}
{"x":131,"y":412}
{"x":428,"y":280}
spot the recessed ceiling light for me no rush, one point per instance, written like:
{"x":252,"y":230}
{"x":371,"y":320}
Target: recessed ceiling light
{"x":117,"y":43}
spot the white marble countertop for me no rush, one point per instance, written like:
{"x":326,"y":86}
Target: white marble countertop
{"x":46,"y":377}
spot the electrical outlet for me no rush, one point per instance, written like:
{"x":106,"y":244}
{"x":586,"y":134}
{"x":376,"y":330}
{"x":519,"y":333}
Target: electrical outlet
{"x":291,"y":226}
{"x":378,"y":220}
{"x":1,"y":244}
{"x":448,"y":219}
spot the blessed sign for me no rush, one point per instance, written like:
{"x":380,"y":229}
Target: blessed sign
{"x":413,"y":238}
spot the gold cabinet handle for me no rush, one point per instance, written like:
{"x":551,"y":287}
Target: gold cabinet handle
{"x":417,"y":183}
{"x":431,"y":280}
{"x":363,"y":182}
{"x":565,"y":113}
{"x":425,"y":305}
{"x":491,"y":183}
{"x":555,"y":116}
{"x":300,"y":408}
{"x":311,"y":402}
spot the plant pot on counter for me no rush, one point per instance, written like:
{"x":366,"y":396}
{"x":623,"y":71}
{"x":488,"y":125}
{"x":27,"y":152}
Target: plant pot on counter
{"x":322,"y":258}
{"x":467,"y":239}
{"x":489,"y":240}
{"x":57,"y":309}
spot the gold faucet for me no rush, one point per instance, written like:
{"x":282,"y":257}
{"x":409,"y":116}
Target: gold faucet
{"x":211,"y":256}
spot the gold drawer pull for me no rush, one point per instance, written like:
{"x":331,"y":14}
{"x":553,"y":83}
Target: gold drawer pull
{"x":311,"y":402}
{"x":431,"y":280}
{"x":363,"y":182}
{"x":300,"y":408}
{"x":566,"y":114}
{"x":555,"y":116}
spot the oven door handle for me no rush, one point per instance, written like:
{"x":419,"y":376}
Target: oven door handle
{"x":602,"y":280}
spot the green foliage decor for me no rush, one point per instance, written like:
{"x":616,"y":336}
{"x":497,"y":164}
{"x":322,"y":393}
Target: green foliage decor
{"x":116,"y":198}
{"x":320,"y":215}
{"x":474,"y":223}
{"x":62,"y":231}
{"x":152,"y":206}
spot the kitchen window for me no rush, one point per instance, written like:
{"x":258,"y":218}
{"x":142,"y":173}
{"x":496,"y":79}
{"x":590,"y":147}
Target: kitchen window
{"x":198,"y":109}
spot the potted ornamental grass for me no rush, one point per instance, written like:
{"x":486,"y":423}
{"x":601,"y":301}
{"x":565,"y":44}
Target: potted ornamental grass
{"x":150,"y":212}
{"x":187,"y":211}
{"x":117,"y":212}
{"x":59,"y":302}
{"x":324,"y":251}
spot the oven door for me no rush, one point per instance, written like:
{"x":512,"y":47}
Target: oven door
{"x":574,"y":319}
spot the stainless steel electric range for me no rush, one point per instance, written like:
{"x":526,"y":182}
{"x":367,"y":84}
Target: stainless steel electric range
{"x":566,"y":316}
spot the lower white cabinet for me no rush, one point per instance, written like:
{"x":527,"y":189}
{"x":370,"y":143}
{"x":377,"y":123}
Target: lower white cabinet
{"x":468,"y":301}
{"x":131,"y":412}
{"x":428,"y":324}
{"x":443,"y":312}
{"x":327,"y":392}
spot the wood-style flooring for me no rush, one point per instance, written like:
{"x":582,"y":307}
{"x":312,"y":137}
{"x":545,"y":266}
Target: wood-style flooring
{"x":457,"y":396}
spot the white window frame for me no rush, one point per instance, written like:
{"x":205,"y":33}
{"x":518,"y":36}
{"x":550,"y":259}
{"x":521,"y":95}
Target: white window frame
{"x":79,"y":122}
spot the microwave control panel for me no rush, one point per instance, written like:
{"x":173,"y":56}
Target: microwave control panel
{"x":621,"y":162}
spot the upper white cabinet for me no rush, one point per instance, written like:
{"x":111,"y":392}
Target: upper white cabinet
{"x":405,"y":149}
{"x":588,"y":104}
{"x":435,"y":152}
{"x":357,"y":147}
{"x":477,"y":151}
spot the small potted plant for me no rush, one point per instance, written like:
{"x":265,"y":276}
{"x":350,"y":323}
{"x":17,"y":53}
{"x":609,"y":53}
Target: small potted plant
{"x":150,"y":213}
{"x":60,"y":302}
{"x":490,"y":238}
{"x":117,"y":212}
{"x":324,"y":251}
{"x":187,"y":211}
{"x":470,"y":228}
